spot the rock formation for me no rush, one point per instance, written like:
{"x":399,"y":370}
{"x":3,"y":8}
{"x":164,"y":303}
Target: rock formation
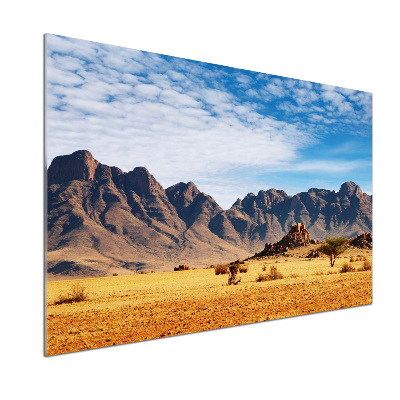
{"x":298,"y":236}
{"x":363,"y":241}
{"x":181,"y":268}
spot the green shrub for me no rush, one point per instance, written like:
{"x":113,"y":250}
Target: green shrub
{"x":333,"y":247}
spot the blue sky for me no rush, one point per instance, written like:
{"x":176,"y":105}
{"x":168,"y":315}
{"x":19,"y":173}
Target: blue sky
{"x":230,"y":131}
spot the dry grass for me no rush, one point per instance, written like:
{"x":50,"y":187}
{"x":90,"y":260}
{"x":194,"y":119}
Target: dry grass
{"x":130,"y":308}
{"x":367,"y":266}
{"x":273,"y":275}
{"x":346,"y":267}
{"x":221,"y":269}
{"x":77,"y":294}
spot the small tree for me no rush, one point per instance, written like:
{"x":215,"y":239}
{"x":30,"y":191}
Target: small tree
{"x":333,"y":247}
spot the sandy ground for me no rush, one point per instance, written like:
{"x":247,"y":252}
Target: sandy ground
{"x":124,"y":309}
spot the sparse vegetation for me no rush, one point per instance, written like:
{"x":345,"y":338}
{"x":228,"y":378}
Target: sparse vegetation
{"x":233,"y":271}
{"x":333,"y":247}
{"x":367,"y":266}
{"x":243,"y":269}
{"x":221,"y":269}
{"x":77,"y":293}
{"x":346,"y":267}
{"x":213,"y":304}
{"x":273,"y":275}
{"x":262,"y":278}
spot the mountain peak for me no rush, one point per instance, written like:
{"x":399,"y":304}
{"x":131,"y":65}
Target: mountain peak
{"x":349,"y":189}
{"x":142,"y":182}
{"x":238,"y":202}
{"x":82,"y":154}
{"x":185,"y":192}
{"x":80,"y":165}
{"x":191,"y":189}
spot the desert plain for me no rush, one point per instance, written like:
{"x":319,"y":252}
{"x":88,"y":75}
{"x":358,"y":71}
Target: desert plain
{"x":138,"y":307}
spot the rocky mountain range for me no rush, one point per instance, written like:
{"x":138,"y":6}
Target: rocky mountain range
{"x":102,"y":220}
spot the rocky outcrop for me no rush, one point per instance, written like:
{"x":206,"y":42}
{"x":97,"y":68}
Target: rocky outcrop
{"x":182,"y":267}
{"x":80,"y":166}
{"x":298,"y":236}
{"x":363,"y":241}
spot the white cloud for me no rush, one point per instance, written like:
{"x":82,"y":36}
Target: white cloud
{"x":176,"y":76}
{"x":74,"y":47}
{"x":305,"y":96}
{"x":64,"y":78}
{"x":177,"y":99}
{"x":276,"y":89}
{"x":346,"y":92}
{"x":216,"y":97}
{"x":146,"y":90}
{"x":330,"y":166}
{"x":243,"y":79}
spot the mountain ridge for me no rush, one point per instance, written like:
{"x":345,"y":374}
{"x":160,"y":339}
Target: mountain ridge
{"x":102,"y":220}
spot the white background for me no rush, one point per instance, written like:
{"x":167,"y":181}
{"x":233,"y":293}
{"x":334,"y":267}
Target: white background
{"x":352,"y":353}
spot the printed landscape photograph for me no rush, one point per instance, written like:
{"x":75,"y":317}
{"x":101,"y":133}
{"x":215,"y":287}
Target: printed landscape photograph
{"x":184,"y":196}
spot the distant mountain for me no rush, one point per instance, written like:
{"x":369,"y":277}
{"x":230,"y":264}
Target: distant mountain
{"x":268,"y":216}
{"x":102,"y":220}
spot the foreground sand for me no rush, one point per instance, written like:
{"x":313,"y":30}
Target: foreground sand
{"x":124,"y":309}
